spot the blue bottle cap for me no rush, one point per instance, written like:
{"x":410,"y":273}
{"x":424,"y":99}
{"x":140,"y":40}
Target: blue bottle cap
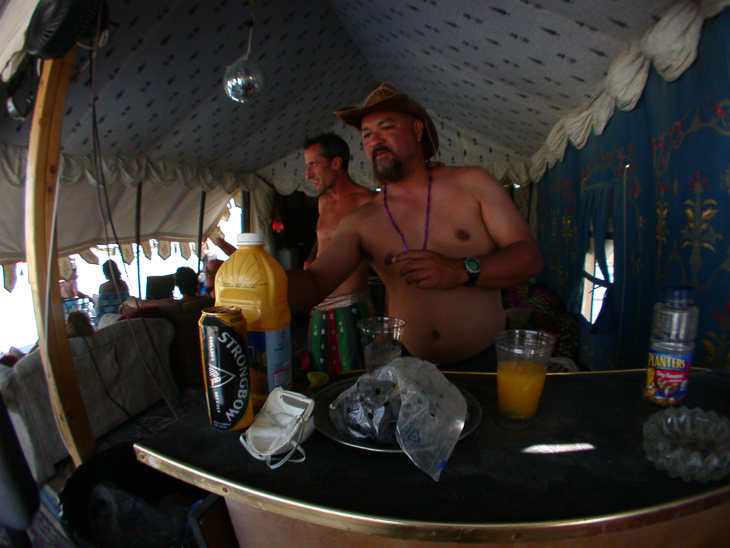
{"x":681,"y":295}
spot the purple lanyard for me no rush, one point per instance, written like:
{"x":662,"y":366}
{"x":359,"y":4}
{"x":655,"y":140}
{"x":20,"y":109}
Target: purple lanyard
{"x":428,"y":212}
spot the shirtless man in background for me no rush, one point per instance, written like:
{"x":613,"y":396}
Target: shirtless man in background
{"x":444,"y":240}
{"x":327,"y":157}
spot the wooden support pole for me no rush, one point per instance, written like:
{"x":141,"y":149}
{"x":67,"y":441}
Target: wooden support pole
{"x":40,"y":193}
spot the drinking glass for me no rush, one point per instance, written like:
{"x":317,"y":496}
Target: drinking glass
{"x":523,"y":357}
{"x":381,"y":338}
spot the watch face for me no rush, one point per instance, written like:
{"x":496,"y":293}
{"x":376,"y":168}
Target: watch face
{"x":472,"y":265}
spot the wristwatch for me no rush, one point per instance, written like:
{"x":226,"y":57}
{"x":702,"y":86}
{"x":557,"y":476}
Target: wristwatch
{"x":473,"y":267}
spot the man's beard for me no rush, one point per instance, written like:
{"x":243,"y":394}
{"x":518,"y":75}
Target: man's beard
{"x":390,"y":171}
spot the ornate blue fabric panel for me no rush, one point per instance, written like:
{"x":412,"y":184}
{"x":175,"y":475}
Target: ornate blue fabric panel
{"x":668,"y":165}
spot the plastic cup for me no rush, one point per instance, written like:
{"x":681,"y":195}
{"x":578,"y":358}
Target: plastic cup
{"x":523,"y":357}
{"x":381,"y":340}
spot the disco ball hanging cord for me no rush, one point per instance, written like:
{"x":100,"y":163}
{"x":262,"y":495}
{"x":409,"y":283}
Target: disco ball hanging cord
{"x":250,"y":24}
{"x":244,"y":79}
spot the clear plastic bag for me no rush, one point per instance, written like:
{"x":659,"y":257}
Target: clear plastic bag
{"x":368,"y":410}
{"x":408,"y":397}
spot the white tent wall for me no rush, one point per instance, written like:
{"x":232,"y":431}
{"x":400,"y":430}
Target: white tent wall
{"x":12,"y":227}
{"x":170,"y":204}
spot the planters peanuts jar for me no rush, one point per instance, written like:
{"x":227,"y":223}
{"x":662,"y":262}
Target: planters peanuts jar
{"x":674,"y":327}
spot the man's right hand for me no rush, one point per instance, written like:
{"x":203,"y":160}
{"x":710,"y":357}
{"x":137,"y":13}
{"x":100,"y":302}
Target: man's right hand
{"x":430,"y":270}
{"x":227,"y":248}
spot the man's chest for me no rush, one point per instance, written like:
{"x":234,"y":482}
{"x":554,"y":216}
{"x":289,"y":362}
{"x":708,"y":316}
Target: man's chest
{"x":331,"y":214}
{"x":327,"y":223}
{"x":453,"y":233}
{"x":382,"y":245}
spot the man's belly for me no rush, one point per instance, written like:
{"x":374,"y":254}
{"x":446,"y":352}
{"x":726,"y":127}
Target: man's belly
{"x":445,"y":328}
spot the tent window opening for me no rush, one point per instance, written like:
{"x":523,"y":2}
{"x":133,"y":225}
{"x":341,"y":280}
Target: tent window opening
{"x":594,"y":292}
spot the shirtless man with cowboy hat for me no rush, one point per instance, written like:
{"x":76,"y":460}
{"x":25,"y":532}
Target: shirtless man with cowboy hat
{"x":444,"y":240}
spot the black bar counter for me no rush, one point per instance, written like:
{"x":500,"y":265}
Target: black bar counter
{"x":490,"y":490}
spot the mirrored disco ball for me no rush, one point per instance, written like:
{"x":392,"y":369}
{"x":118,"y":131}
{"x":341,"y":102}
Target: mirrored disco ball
{"x":243,"y":80}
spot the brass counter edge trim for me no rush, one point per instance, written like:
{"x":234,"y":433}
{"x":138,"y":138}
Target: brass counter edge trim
{"x":562,"y":373}
{"x":430,"y":531}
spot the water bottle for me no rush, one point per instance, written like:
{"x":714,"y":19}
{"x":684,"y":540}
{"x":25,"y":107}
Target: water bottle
{"x":673,"y":331}
{"x":254,"y":281}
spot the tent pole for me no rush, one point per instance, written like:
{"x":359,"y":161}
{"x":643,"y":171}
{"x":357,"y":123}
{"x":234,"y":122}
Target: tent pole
{"x":201,"y":218}
{"x":40,"y":194}
{"x":245,"y":210}
{"x":137,"y":231}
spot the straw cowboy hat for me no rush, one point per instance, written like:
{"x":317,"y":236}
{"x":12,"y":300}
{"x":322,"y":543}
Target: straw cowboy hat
{"x":388,"y":97}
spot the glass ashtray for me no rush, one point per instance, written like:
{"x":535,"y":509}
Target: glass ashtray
{"x":689,"y":443}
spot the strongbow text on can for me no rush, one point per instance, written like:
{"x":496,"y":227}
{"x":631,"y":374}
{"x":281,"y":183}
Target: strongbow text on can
{"x":225,"y":367}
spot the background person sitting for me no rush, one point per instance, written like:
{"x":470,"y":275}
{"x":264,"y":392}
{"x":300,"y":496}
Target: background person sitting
{"x":71,"y":297}
{"x":111,"y":293}
{"x":114,"y":283}
{"x":211,"y":269}
{"x":69,"y":289}
{"x":186,"y":281}
{"x":11,"y":357}
{"x":78,"y":324}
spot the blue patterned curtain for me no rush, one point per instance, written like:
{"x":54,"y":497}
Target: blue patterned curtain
{"x":663,"y":173}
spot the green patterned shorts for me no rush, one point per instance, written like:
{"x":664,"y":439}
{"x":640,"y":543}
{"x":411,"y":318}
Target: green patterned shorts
{"x":333,"y":344}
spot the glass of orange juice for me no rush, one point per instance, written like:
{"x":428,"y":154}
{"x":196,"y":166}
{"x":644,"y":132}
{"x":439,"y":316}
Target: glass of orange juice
{"x":522,"y":360}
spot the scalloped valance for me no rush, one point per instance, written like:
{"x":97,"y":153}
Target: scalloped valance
{"x":171,"y":196}
{"x":670,"y":45}
{"x":127,"y":170}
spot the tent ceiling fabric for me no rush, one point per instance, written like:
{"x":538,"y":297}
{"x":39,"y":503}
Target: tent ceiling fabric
{"x":508,"y":82}
{"x":160,"y":82}
{"x":507,"y":70}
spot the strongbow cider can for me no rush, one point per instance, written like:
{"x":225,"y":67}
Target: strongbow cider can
{"x":225,"y":367}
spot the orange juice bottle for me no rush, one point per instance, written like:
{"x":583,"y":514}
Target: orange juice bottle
{"x":254,"y":281}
